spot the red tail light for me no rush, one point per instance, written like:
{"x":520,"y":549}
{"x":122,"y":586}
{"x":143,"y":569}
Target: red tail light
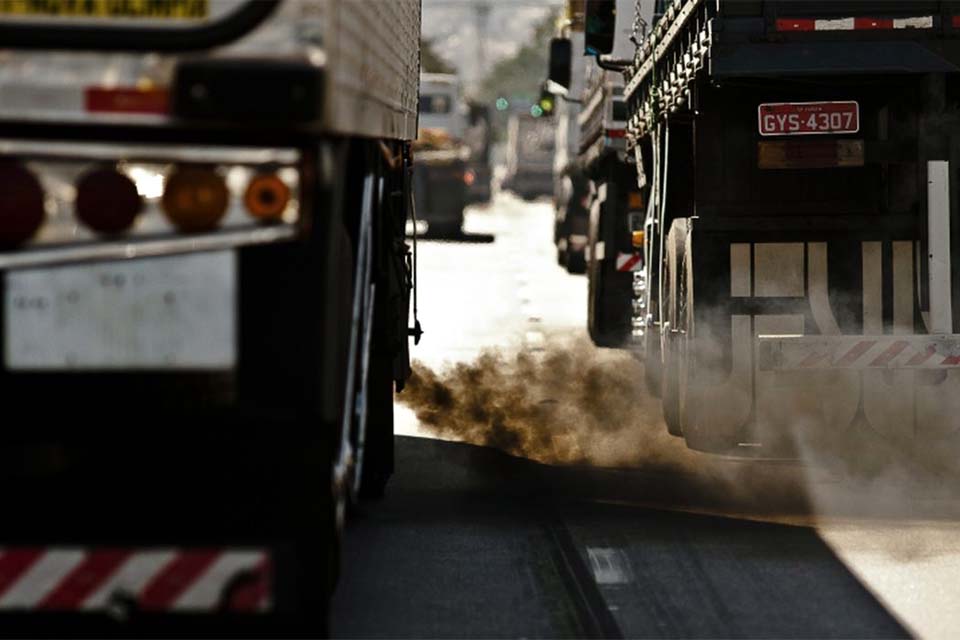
{"x":107,"y":201}
{"x":21,"y":207}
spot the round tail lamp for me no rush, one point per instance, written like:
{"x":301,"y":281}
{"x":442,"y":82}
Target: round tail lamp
{"x":267,"y":197}
{"x":21,"y":205}
{"x":195,"y":198}
{"x":107,"y":201}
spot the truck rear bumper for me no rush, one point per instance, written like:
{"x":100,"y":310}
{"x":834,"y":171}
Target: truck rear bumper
{"x":858,"y":352}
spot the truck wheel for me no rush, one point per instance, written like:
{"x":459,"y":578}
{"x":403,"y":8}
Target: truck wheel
{"x":609,"y":293}
{"x":652,"y":362}
{"x":673,"y":344}
{"x":560,"y":240}
{"x":670,"y":398}
{"x":576,"y":261}
{"x":378,"y":448}
{"x":446,"y":229}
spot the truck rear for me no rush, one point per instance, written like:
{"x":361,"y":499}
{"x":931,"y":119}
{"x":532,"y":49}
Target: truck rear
{"x":613,"y":205}
{"x":530,"y":143}
{"x":571,"y":187}
{"x":800,"y":165}
{"x":442,"y":157}
{"x":205,"y":297}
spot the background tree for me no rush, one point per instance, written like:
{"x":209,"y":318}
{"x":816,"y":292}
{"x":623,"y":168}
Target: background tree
{"x":433,"y":62}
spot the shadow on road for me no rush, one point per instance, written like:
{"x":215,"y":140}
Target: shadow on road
{"x":459,"y":236}
{"x":465,"y":545}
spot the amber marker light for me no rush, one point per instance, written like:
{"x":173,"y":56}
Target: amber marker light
{"x":195,"y":198}
{"x":21,"y":204}
{"x":107,"y":201}
{"x":267,"y":197}
{"x":637,"y":238}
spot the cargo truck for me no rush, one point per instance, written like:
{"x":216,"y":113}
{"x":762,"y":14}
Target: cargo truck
{"x":441,"y":155}
{"x":613,"y":201}
{"x":478,"y":175}
{"x":530,"y":141}
{"x":571,"y":187}
{"x":205,"y":288}
{"x":799,"y":161}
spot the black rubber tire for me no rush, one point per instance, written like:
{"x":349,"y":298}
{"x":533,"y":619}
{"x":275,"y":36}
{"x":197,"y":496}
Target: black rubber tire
{"x":378,"y":448}
{"x":576,"y":262}
{"x":609,"y":295}
{"x":652,"y":363}
{"x":670,"y":396}
{"x":673,"y":351}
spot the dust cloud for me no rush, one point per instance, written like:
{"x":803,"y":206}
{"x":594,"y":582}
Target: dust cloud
{"x":569,"y":404}
{"x":572,"y":404}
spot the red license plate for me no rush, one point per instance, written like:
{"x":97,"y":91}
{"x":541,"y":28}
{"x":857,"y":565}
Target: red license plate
{"x":808,"y":118}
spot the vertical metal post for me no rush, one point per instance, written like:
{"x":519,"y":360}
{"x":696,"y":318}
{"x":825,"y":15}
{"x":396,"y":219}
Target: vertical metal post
{"x":938,"y":233}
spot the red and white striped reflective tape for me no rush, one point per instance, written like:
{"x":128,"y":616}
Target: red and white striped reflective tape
{"x":779,"y":353}
{"x":161,"y":580}
{"x":853,"y":24}
{"x":629,"y":262}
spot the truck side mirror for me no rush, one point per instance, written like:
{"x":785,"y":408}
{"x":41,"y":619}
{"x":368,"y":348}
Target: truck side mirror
{"x":599,"y":26}
{"x":560,"y":60}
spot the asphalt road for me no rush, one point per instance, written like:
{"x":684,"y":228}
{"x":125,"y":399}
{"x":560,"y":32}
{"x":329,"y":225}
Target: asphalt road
{"x":601,"y":525}
{"x":474,"y":543}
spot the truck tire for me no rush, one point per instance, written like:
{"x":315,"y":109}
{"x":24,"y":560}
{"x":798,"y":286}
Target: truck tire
{"x":447,"y":229}
{"x":378,"y":448}
{"x":674,"y":343}
{"x":576,"y":262}
{"x":652,"y":362}
{"x":609,"y":292}
{"x":560,"y":239}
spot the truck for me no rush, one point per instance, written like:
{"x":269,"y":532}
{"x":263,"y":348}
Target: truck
{"x":571,"y":187}
{"x":206,"y":293}
{"x":479,"y":138}
{"x":530,"y":142}
{"x":441,"y":155}
{"x":798,"y":161}
{"x":613,"y":202}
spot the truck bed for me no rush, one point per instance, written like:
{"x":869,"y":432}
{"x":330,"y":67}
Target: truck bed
{"x":780,"y":38}
{"x":357,"y":61}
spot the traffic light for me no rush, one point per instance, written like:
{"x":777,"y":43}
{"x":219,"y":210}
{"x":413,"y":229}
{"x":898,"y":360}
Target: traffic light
{"x":546,"y":103}
{"x":600,"y":25}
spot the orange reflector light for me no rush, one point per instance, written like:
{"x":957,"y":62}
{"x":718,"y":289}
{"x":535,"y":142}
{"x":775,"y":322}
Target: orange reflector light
{"x":469,"y":177}
{"x":107,"y":201}
{"x":195,"y":199}
{"x":267,"y":197}
{"x":21,"y":206}
{"x":638,"y":239}
{"x":635,"y":200}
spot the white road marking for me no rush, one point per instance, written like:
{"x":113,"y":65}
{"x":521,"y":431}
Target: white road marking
{"x":609,"y":565}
